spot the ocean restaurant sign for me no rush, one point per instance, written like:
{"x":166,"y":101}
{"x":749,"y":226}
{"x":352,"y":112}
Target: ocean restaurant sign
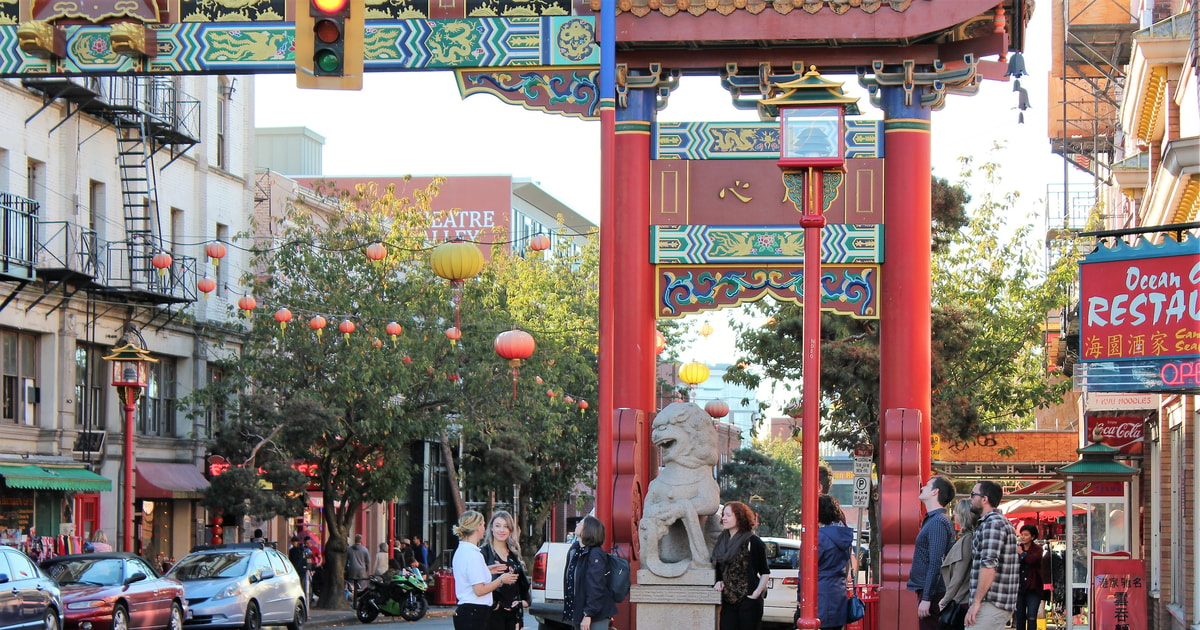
{"x":1140,"y":320}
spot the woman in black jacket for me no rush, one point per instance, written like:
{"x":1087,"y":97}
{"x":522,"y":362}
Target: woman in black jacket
{"x":587,"y":604}
{"x":740,"y":559}
{"x":500,"y":547}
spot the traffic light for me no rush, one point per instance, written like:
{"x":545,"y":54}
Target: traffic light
{"x":329,"y":44}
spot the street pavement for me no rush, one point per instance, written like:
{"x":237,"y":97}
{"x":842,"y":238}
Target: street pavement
{"x":319,"y":618}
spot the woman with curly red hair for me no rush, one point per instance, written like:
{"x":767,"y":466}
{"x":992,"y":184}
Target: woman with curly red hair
{"x":740,"y":559}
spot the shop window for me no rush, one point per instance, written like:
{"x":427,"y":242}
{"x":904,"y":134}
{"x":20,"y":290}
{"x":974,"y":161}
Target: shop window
{"x":90,"y":384}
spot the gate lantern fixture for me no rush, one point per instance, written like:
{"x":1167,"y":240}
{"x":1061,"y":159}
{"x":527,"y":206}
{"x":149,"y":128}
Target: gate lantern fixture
{"x":130,"y":375}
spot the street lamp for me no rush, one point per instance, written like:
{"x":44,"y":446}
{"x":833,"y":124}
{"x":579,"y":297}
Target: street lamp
{"x":811,"y":111}
{"x":130,"y":374}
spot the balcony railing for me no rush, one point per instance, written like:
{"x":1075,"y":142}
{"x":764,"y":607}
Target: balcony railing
{"x":167,"y":107}
{"x":67,"y":249}
{"x":17,"y":245}
{"x":127,"y":271}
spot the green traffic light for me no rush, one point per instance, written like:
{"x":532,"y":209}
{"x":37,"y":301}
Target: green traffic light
{"x":327,"y":61}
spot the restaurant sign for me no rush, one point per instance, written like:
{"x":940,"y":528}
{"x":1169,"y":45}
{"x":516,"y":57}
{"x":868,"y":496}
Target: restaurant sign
{"x":1141,"y":314}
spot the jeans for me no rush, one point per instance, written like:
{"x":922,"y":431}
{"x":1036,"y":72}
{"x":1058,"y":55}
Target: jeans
{"x":1026,"y":615}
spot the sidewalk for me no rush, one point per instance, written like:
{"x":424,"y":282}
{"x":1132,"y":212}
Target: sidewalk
{"x":318,"y":618}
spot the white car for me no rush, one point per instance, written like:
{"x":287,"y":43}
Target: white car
{"x":243,"y":585}
{"x":783,"y":558}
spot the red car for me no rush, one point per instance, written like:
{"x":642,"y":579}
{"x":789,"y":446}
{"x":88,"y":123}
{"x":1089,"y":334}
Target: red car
{"x":116,"y":591}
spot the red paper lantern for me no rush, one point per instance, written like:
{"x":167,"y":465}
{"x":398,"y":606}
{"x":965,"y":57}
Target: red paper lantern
{"x":453,"y":334}
{"x":660,"y":342}
{"x":206,"y":285}
{"x":162,"y":262}
{"x":215,"y":251}
{"x":376,"y":343}
{"x":394,"y":329}
{"x":583,"y":405}
{"x":514,"y":345}
{"x":247,"y":304}
{"x":375,"y":251}
{"x":346,"y":327}
{"x":283,"y":316}
{"x":717,"y":408}
{"x":318,"y":324}
{"x":539,"y":242}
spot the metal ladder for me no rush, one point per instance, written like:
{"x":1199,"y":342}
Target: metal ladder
{"x":139,"y":198}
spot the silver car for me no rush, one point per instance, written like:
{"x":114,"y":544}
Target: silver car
{"x":247,"y":585}
{"x":28,"y":597}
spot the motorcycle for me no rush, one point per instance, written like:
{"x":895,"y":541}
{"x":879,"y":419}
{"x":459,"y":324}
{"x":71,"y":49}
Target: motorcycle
{"x":401,"y":596}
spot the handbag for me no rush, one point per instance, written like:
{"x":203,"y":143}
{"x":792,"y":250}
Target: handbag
{"x":855,"y":609}
{"x":953,"y":616}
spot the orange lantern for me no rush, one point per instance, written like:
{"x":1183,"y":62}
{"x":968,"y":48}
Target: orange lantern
{"x":660,"y":342}
{"x":453,"y":334}
{"x":206,"y":285}
{"x":717,"y":408}
{"x":394,"y":330}
{"x":162,"y":262}
{"x":215,"y":251}
{"x":375,"y":251}
{"x":376,"y":343}
{"x":247,"y":304}
{"x":583,"y":405}
{"x":346,"y":327}
{"x":318,"y":324}
{"x":283,"y":316}
{"x":539,"y":242}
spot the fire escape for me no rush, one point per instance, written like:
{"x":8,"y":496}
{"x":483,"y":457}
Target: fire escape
{"x":152,"y":119}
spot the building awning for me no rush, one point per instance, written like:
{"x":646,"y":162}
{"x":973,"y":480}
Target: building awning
{"x":31,"y":477}
{"x":157,"y":480}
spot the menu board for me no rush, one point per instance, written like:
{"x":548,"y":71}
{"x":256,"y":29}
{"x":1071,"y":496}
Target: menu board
{"x":16,"y":511}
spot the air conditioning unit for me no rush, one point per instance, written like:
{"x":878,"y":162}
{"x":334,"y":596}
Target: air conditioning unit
{"x":88,"y":442}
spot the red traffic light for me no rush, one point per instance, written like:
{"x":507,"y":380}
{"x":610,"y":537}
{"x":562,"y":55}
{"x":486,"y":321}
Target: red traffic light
{"x":329,"y":7}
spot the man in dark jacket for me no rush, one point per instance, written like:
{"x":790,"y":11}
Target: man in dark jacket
{"x":301,"y":557}
{"x":933,"y":541}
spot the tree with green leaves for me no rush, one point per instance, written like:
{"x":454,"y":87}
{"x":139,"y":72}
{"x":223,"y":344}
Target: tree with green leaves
{"x":343,"y":404}
{"x":766,"y":476}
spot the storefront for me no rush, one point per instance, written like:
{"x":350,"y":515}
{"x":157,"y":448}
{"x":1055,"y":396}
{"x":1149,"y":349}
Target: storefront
{"x":168,"y":509}
{"x":37,"y":506}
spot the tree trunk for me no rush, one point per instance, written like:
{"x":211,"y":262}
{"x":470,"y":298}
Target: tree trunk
{"x":448,"y":456}
{"x":333,"y":584}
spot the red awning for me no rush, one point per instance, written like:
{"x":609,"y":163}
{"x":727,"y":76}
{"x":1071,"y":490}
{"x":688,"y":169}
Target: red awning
{"x":157,"y":480}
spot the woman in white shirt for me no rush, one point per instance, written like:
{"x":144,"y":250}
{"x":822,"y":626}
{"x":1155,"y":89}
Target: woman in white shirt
{"x":473,"y":580}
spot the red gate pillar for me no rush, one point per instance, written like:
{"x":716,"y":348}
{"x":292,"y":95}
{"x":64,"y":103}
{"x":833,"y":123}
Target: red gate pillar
{"x":630,"y":280}
{"x":904,"y":353}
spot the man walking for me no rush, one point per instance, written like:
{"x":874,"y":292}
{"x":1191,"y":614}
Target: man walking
{"x":421,"y":552}
{"x":301,"y":557}
{"x":995,"y":570}
{"x":933,"y":541}
{"x":358,"y":561}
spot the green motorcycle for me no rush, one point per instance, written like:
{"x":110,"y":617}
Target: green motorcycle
{"x":401,"y":596}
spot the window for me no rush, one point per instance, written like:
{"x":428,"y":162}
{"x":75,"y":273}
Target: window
{"x":36,"y":183}
{"x":18,"y":371}
{"x":156,"y":414}
{"x":219,"y":270}
{"x":90,"y":384}
{"x":4,"y":170}
{"x":175,"y":243}
{"x":214,"y":415}
{"x":222,"y":120}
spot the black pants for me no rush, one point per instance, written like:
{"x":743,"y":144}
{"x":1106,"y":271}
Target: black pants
{"x":931,"y":622}
{"x":746,"y":614}
{"x":472,"y":617}
{"x":505,"y":619}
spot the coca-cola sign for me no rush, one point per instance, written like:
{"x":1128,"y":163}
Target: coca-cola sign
{"x":1120,"y":432}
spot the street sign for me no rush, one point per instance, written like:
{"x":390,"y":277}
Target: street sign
{"x":862,"y":466}
{"x":862,"y":492}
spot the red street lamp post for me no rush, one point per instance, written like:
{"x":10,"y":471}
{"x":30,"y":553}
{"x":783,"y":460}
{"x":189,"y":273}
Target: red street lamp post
{"x":130,"y":374}
{"x":810,"y":111}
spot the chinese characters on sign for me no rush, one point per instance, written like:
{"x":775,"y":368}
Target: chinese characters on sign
{"x":1118,"y":594}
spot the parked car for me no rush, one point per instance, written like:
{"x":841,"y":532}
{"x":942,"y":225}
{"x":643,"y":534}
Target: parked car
{"x":547,"y":585}
{"x":28,"y":597}
{"x":783,"y":559}
{"x":243,"y":585}
{"x":116,"y":591}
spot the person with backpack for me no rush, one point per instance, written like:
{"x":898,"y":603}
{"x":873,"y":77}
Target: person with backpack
{"x":587,"y":602}
{"x":740,"y":558}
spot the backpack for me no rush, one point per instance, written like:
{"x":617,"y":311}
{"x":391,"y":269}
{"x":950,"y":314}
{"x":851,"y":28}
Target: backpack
{"x":618,"y":577}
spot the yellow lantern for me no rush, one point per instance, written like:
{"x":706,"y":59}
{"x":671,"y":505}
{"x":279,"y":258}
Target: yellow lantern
{"x":456,"y":260}
{"x":693,"y":373}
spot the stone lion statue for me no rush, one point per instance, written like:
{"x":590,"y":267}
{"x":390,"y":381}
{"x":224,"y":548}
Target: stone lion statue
{"x":676,"y":532}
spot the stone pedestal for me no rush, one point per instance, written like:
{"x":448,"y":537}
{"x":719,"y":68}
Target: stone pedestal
{"x":687,"y":601}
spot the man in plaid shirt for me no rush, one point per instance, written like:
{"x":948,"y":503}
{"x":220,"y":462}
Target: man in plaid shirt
{"x":995,"y":570}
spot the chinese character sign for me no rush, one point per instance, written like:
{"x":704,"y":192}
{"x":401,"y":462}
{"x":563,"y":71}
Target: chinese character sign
{"x":1141,"y":302}
{"x":1118,"y":594}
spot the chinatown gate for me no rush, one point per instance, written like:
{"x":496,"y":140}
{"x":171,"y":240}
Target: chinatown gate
{"x":694,"y":216}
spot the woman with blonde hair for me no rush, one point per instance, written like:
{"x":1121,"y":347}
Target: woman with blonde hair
{"x":956,"y":565}
{"x":473,"y":581}
{"x":100,"y":542}
{"x":500,"y":546}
